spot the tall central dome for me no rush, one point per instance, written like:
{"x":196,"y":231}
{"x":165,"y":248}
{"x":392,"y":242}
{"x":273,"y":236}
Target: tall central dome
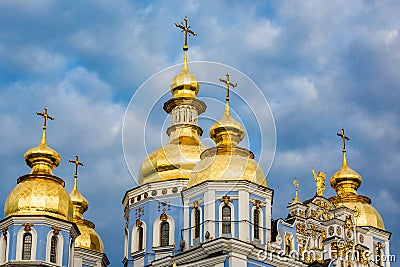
{"x":178,"y":157}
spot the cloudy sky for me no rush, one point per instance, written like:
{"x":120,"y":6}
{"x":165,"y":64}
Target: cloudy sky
{"x":320,"y":65}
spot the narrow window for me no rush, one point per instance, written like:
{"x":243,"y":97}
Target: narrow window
{"x":140,"y":238}
{"x":226,"y":219}
{"x":288,"y":246}
{"x":53,"y":249}
{"x":197,"y":223}
{"x":379,"y":256}
{"x":26,"y":246}
{"x":164,"y":234}
{"x":256,"y":222}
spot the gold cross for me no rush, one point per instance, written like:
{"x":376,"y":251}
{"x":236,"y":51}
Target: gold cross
{"x":227,"y":84}
{"x":45,"y":116}
{"x":185,"y":29}
{"x":344,"y":138}
{"x":77,"y":163}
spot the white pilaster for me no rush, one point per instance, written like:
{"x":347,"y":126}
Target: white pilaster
{"x":243,"y":215}
{"x":209,"y":212}
{"x":237,"y":260}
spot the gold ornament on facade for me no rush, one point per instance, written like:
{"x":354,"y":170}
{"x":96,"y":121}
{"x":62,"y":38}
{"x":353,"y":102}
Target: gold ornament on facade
{"x":320,"y":182}
{"x":257,"y":203}
{"x":27,"y":226}
{"x":163,"y":217}
{"x":226,"y":199}
{"x":56,"y":230}
{"x":296,"y":199}
{"x":4,"y":230}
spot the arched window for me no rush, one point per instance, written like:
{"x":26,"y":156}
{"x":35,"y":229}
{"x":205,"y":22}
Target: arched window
{"x":288,"y":245}
{"x":379,"y":256}
{"x":26,"y":246}
{"x":256,"y":223}
{"x":164,"y":234}
{"x":197,"y":223}
{"x":140,"y":238}
{"x":53,"y":249}
{"x":226,"y":219}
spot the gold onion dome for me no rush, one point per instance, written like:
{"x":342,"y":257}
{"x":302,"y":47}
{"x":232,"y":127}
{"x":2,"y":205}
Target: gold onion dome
{"x":345,"y":182}
{"x":177,"y":158}
{"x":185,"y":84}
{"x":227,"y":161}
{"x":89,"y":238}
{"x":40,"y":192}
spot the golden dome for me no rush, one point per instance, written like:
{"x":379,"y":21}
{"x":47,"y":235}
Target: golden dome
{"x":39,"y":195}
{"x":227,"y":131}
{"x":227,"y":161}
{"x":346,"y":180}
{"x":185,"y":84}
{"x":235,"y":164}
{"x":42,"y":159}
{"x":367,"y":214}
{"x":79,"y":203}
{"x":40,"y":192}
{"x":89,"y":238}
{"x":176,"y":159}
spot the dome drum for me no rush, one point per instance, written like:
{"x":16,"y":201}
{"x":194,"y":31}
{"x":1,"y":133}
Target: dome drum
{"x":227,"y":150}
{"x":194,"y":102}
{"x":185,"y":131}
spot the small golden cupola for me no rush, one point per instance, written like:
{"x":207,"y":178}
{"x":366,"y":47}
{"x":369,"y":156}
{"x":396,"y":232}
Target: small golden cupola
{"x":227,"y":160}
{"x":346,"y":182}
{"x":177,"y":158}
{"x":40,"y":192}
{"x":89,"y":238}
{"x":185,"y":84}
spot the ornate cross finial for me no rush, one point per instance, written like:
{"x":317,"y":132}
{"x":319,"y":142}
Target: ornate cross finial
{"x":185,"y":29}
{"x":45,"y":116}
{"x":227,"y":83}
{"x":344,"y":138}
{"x":296,"y":199}
{"x":77,"y":163}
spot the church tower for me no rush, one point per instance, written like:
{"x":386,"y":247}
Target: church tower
{"x":42,"y":223}
{"x":37,"y":229}
{"x":153,"y":210}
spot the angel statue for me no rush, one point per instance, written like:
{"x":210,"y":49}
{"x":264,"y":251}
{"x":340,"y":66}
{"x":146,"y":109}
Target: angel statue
{"x":320,"y":182}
